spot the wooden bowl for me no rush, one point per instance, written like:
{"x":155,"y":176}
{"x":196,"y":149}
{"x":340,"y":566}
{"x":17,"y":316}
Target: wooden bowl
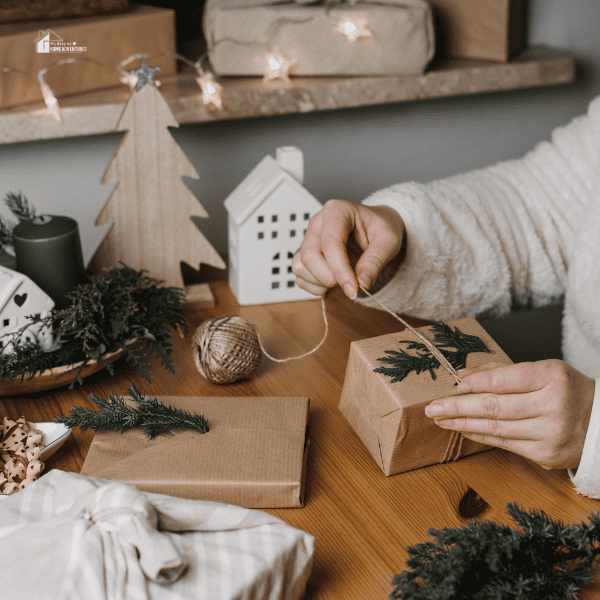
{"x":53,"y":378}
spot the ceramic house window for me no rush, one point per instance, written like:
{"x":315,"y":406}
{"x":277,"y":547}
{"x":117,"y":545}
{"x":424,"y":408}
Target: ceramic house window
{"x":293,"y":217}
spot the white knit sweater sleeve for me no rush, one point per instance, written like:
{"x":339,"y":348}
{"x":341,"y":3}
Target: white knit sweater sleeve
{"x":498,"y":237}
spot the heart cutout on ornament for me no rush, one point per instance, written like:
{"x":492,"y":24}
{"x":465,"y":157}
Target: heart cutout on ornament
{"x":20,"y":299}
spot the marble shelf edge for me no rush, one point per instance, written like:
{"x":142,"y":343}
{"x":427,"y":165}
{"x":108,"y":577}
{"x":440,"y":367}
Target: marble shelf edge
{"x":98,"y":112}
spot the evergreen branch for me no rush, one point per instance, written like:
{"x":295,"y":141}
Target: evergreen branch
{"x":6,"y":237}
{"x":119,"y":310}
{"x":444,"y":338}
{"x":541,"y":559}
{"x":115,"y":414}
{"x":19,"y":206}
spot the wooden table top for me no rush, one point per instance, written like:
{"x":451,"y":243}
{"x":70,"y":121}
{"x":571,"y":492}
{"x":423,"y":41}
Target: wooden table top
{"x":362,"y":521}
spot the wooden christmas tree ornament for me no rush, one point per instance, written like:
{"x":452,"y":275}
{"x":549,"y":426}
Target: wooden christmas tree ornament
{"x":226,"y":349}
{"x":150,"y":207}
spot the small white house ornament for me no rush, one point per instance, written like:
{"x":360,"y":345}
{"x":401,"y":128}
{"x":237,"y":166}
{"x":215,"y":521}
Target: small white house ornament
{"x":268,"y":213}
{"x":20,"y":298}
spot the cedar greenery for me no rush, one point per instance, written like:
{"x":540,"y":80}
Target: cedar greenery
{"x":444,"y":338}
{"x":20,"y":207}
{"x":120,"y":309}
{"x":115,"y":414}
{"x":485,"y":561}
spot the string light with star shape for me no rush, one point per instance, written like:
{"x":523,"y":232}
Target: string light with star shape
{"x":277,"y":69}
{"x":354,"y":29}
{"x":211,"y":90}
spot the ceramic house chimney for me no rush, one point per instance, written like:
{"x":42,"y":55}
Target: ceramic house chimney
{"x":291,"y":159}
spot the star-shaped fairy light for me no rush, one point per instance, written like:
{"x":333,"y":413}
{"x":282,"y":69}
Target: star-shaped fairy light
{"x":354,"y":29}
{"x":277,"y":69}
{"x":144,"y":74}
{"x":211,"y":90}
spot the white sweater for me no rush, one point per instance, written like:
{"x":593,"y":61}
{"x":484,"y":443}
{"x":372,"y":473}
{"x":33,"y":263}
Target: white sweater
{"x":521,"y":233}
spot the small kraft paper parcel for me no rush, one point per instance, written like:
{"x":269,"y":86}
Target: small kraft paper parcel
{"x":389,"y":381}
{"x":254,"y":453}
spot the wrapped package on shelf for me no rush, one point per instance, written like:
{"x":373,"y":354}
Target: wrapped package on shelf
{"x":480,"y":29}
{"x":399,"y":37}
{"x":108,"y":39}
{"x":87,"y":537}
{"x":389,"y":417}
{"x":254,"y":454}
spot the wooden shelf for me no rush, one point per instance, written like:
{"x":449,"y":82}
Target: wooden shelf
{"x":98,"y":112}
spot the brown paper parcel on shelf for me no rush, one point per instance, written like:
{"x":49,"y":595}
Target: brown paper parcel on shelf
{"x":390,"y":418}
{"x":254,"y":454}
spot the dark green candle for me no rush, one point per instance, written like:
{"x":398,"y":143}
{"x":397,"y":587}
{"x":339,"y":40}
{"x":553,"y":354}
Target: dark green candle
{"x":48,"y":250}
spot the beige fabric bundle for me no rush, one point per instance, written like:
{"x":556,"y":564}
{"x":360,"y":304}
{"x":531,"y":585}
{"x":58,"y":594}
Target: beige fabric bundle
{"x":92,"y":538}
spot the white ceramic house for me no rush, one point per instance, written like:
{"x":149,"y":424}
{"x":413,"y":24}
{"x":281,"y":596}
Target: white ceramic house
{"x":268,"y":214}
{"x":20,"y":297}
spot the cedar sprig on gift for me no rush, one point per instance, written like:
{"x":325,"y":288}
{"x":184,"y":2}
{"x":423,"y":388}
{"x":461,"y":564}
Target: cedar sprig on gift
{"x":120,"y":309}
{"x":115,"y":414}
{"x":541,"y":559}
{"x":423,"y":360}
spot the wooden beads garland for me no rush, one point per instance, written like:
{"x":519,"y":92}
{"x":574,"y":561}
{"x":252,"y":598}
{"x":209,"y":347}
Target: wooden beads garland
{"x":226,"y":349}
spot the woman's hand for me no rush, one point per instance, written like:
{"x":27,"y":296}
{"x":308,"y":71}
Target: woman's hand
{"x":540,"y":410}
{"x":323,"y":260}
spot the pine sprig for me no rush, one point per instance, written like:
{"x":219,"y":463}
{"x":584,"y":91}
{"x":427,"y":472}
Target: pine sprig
{"x":120,"y":309}
{"x":542,"y":558}
{"x":423,"y":360}
{"x":115,"y":414}
{"x":20,"y":207}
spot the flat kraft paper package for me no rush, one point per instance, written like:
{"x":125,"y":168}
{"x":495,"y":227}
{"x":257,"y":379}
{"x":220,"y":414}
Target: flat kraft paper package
{"x":33,"y":45}
{"x":240,"y":33}
{"x":254,"y":454}
{"x":480,"y":29}
{"x":389,"y":418}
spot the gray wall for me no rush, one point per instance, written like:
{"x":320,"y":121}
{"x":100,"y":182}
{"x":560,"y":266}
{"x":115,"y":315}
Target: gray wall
{"x":348,"y":153}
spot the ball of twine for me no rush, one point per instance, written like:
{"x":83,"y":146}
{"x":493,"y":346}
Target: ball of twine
{"x":226,"y":349}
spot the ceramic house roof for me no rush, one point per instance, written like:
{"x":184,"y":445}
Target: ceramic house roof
{"x":10,"y":281}
{"x":247,"y":197}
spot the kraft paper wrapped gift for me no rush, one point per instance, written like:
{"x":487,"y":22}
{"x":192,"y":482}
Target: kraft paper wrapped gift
{"x":104,"y":38}
{"x":480,"y":29}
{"x":254,"y":454}
{"x":390,"y":417}
{"x":240,"y":33}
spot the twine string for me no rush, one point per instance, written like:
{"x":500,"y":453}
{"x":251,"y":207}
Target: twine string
{"x":325,"y":333}
{"x":455,"y":443}
{"x":434,"y":350}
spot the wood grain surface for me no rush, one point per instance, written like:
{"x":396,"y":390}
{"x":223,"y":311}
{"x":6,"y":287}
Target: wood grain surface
{"x":362,"y":521}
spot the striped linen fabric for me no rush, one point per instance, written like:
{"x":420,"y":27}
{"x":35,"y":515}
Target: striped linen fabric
{"x":72,"y":537}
